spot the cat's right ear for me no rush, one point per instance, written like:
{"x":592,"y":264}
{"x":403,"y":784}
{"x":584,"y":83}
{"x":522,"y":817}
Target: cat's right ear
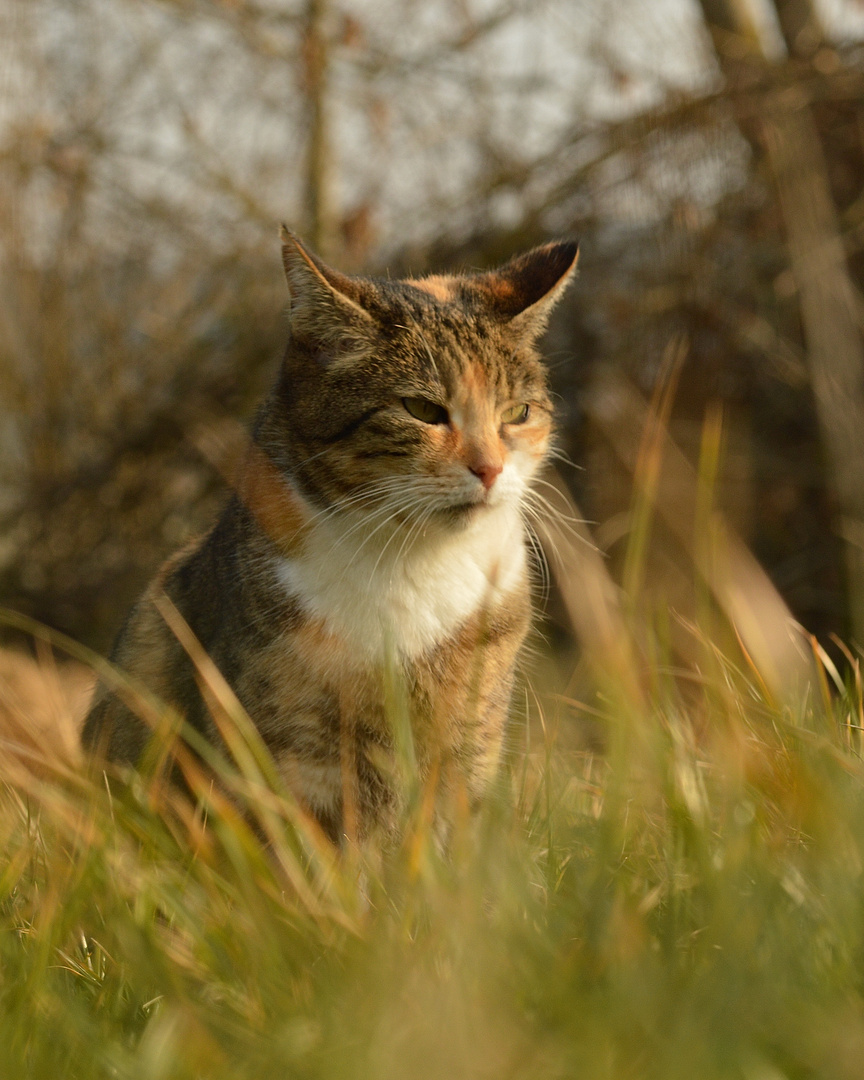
{"x":326,"y":307}
{"x":524,"y":291}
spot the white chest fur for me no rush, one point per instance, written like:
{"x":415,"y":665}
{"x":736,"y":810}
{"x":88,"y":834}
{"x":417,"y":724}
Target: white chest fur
{"x":380,"y":593}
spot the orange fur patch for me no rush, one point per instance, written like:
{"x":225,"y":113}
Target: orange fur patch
{"x":439,"y":287}
{"x":274,"y":506}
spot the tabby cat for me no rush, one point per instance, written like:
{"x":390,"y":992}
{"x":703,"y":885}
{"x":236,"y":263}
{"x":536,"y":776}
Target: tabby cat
{"x":377,"y":525}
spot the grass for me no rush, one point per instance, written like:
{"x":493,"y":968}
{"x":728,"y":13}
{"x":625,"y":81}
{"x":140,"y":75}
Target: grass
{"x":688,"y":904}
{"x":686,"y":900}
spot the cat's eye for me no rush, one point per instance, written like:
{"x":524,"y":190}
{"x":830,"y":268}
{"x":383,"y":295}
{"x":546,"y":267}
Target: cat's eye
{"x":430,"y":412}
{"x":516,"y":414}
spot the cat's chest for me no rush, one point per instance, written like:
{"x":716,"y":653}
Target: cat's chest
{"x":406,"y":598}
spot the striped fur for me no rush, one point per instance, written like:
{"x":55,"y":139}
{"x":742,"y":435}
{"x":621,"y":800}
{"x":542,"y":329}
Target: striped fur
{"x":376,"y":527}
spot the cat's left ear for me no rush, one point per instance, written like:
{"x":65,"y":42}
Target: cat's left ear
{"x":524,"y":291}
{"x":326,"y":306}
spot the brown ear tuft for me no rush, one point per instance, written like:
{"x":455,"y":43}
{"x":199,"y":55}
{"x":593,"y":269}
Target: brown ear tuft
{"x":524,"y":290}
{"x":326,"y":305}
{"x":295,"y":255}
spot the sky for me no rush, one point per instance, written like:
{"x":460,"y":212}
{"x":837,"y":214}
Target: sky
{"x":193,"y":116}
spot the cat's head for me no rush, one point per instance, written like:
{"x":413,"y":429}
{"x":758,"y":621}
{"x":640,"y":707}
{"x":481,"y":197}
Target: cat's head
{"x":416,"y":398}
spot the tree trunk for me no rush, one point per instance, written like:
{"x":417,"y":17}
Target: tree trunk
{"x":320,"y":211}
{"x":732,"y":29}
{"x":834,"y":347}
{"x":800,"y":25}
{"x":831,"y":326}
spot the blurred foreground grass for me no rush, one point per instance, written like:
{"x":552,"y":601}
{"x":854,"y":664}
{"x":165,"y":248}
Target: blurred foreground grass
{"x":688,"y":903}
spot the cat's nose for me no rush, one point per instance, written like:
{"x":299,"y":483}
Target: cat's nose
{"x":487,"y":472}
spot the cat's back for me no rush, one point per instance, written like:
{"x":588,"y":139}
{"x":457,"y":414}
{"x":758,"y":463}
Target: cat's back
{"x":217,"y":587}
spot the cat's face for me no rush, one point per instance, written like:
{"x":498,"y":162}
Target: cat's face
{"x":417,"y":401}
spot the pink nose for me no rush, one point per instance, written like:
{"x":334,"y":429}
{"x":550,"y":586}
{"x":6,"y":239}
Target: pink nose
{"x":487,"y":473}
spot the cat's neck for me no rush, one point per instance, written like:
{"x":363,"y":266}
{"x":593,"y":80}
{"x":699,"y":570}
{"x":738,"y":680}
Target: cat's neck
{"x":403,"y":590}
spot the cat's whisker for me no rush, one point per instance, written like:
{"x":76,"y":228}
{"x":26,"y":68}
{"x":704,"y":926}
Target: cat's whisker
{"x":390,"y":510}
{"x":531,"y":515}
{"x":373,"y":492}
{"x":308,"y":461}
{"x":540,"y":560}
{"x":547,"y":525}
{"x":538,"y":481}
{"x":367,"y":516}
{"x":388,"y":505}
{"x":429,"y":354}
{"x":555,"y":453}
{"x":548,"y":541}
{"x":364,"y":545}
{"x":416,"y":527}
{"x":403,"y":509}
{"x":383,"y":497}
{"x":552,"y":514}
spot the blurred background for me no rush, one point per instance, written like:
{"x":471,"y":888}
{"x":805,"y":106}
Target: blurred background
{"x":709,"y":154}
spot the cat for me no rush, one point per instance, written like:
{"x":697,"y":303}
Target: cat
{"x":377,"y":526}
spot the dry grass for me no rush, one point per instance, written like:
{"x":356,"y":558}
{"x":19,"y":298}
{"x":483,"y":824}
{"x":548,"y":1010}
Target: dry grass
{"x":43,"y":702}
{"x":686,"y":903}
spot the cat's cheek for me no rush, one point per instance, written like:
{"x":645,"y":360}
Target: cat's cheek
{"x":533,"y":437}
{"x":446,"y":460}
{"x":526,"y":459}
{"x":436,"y":448}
